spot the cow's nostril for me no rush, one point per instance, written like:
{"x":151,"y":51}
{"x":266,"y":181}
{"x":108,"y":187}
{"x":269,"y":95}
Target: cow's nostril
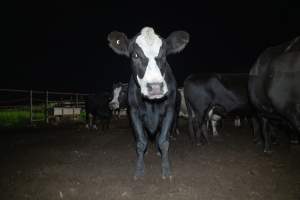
{"x":149,"y":87}
{"x":155,"y":88}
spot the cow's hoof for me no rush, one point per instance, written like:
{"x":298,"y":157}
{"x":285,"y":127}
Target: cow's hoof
{"x":139,"y":174}
{"x":135,"y":177}
{"x":170,"y":178}
{"x":166,"y":173}
{"x":198,"y":144}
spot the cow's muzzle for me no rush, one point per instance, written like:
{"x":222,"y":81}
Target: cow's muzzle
{"x":155,"y":88}
{"x":113,"y":105}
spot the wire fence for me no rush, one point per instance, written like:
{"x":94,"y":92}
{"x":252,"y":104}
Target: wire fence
{"x":23,"y":107}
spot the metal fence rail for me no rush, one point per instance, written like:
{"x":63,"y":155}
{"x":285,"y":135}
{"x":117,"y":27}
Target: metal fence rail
{"x":39,"y":103}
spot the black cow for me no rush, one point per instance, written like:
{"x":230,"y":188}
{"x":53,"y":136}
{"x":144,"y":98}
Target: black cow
{"x":119,"y":101}
{"x":207,"y":95}
{"x":274,"y":88}
{"x":151,"y":89}
{"x":97,"y":109}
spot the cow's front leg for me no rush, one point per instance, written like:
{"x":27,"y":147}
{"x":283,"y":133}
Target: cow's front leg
{"x":163,"y":143}
{"x":141,"y":143}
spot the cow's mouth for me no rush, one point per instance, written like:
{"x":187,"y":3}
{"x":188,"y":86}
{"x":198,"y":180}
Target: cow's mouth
{"x":156,"y":95}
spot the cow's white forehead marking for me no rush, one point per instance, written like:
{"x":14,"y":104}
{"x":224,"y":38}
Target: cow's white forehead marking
{"x":149,"y":42}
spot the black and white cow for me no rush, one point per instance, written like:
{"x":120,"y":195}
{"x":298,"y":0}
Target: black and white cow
{"x":215,"y":114}
{"x":151,"y":89}
{"x":274,"y":89}
{"x":211,"y":95}
{"x":215,"y":117}
{"x":97,"y":109}
{"x":119,"y":101}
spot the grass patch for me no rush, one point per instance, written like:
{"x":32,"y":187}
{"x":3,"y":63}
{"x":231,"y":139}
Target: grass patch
{"x":20,"y":117}
{"x":14,"y":118}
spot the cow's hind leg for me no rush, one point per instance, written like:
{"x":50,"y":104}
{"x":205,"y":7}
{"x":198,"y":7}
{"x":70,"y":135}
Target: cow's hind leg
{"x":267,"y":135}
{"x":256,"y":130}
{"x":201,"y":133}
{"x":204,"y":133}
{"x":295,"y":128}
{"x":192,"y":129}
{"x":191,"y":122}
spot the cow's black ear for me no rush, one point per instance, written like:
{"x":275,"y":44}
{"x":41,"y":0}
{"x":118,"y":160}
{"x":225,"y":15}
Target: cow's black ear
{"x":177,"y":41}
{"x":118,"y":42}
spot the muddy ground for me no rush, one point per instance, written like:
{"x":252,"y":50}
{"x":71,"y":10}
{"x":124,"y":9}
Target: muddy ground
{"x":70,"y":162}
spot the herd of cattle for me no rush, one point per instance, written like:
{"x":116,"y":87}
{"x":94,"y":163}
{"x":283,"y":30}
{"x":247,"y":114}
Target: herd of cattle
{"x":269,"y":96}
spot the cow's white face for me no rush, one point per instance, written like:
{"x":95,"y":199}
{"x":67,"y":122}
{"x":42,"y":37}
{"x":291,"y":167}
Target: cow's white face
{"x":114,"y":103}
{"x":148,"y":53}
{"x":152,"y":82}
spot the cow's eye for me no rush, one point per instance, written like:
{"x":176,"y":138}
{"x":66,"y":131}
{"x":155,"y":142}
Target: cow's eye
{"x":135,"y":55}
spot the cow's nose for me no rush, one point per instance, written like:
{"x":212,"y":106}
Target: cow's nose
{"x":155,"y":88}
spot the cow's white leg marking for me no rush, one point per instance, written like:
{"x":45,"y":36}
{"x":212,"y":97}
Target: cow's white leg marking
{"x":214,"y":127}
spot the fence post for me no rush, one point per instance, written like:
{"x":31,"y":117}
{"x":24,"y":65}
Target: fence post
{"x":77,"y":100}
{"x":46,"y":108}
{"x":31,"y":114}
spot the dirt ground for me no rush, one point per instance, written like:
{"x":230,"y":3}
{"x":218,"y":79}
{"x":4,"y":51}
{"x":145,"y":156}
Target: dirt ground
{"x":70,"y":162}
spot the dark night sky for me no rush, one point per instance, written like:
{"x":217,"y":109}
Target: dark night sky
{"x":62,"y":45}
